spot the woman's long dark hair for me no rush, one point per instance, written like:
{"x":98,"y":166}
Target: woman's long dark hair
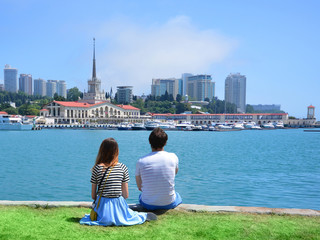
{"x":108,"y":152}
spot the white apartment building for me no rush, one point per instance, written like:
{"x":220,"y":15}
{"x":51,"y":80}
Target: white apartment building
{"x":40,"y":87}
{"x":124,"y":94}
{"x":200,"y":87}
{"x":25,"y":83}
{"x":10,"y":78}
{"x":51,"y":88}
{"x":162,"y":85}
{"x":235,"y":91}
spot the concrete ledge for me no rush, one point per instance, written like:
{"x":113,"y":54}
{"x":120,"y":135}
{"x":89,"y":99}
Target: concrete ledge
{"x":185,"y":207}
{"x":46,"y":203}
{"x":260,"y":210}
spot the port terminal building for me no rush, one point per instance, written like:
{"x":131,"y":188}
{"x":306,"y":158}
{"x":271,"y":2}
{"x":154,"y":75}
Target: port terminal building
{"x":198,"y":119}
{"x":82,"y":112}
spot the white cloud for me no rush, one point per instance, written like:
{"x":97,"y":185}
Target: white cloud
{"x":135,"y":55}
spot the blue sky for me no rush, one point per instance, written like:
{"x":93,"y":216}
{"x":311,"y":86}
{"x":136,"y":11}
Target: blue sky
{"x":274,"y":43}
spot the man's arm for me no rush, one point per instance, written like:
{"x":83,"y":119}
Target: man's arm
{"x":139,"y":182}
{"x":177,"y":170}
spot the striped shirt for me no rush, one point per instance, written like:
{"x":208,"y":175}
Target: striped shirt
{"x":118,"y":175}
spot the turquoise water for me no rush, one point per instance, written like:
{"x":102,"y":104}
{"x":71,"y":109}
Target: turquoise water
{"x":270,"y":168}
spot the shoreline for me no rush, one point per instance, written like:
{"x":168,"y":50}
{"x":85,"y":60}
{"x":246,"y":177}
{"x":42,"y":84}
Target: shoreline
{"x":185,"y":207}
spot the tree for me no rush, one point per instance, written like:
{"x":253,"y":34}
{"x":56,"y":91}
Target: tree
{"x":249,"y":109}
{"x":165,"y":96}
{"x":56,"y":97}
{"x":11,"y":110}
{"x":28,"y":109}
{"x":74,"y":94}
{"x":178,"y":98}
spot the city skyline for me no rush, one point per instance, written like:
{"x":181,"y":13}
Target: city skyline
{"x":275,"y":44}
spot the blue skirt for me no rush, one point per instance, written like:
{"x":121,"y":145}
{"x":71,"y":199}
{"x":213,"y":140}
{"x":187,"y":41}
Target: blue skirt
{"x":115,"y":211}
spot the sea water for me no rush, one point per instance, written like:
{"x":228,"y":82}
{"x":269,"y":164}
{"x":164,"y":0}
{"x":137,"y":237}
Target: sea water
{"x":268,"y":168}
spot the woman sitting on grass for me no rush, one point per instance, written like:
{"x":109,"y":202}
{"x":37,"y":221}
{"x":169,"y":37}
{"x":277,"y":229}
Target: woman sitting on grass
{"x":110,"y":180}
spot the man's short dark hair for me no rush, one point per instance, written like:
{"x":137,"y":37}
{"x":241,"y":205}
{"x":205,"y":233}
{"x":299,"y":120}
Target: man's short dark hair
{"x":158,"y":138}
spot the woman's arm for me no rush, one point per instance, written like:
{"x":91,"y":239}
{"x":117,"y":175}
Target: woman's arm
{"x":125,"y":190}
{"x":94,"y":191}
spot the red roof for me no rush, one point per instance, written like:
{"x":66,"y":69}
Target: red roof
{"x":31,"y":116}
{"x":76,"y":104}
{"x":42,"y":110}
{"x":128,"y":107}
{"x":311,"y":106}
{"x":3,"y":113}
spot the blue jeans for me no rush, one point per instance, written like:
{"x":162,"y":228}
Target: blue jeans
{"x":176,"y":202}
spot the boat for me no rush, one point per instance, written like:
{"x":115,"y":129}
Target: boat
{"x":212,"y":128}
{"x":278,"y":124}
{"x":185,"y":126}
{"x":150,"y":125}
{"x":138,"y":126}
{"x":238,"y":126}
{"x":167,"y":125}
{"x":255,"y":128}
{"x":226,"y":128}
{"x":8,"y":122}
{"x":124,"y":126}
{"x":197,"y":128}
{"x":268,"y":126}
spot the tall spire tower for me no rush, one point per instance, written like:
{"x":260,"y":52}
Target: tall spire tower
{"x":94,"y":95}
{"x":94,"y":60}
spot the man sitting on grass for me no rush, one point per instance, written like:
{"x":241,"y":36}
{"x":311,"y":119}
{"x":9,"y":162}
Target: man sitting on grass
{"x":155,"y":174}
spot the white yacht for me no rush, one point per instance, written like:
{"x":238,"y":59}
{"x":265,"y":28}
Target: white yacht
{"x":186,"y":126}
{"x":278,"y":124}
{"x":124,"y":126}
{"x":170,"y":125}
{"x":197,"y":128}
{"x":138,"y":126}
{"x":8,"y":122}
{"x":252,"y":126}
{"x":238,"y":126}
{"x":150,"y":125}
{"x":268,"y":125}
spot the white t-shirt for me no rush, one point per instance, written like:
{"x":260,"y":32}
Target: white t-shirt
{"x":157,"y":171}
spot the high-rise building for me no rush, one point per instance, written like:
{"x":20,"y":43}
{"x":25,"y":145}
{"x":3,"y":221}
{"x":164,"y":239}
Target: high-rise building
{"x":10,"y":78}
{"x":40,"y":87}
{"x":94,"y":94}
{"x":51,"y":88}
{"x":25,"y":83}
{"x":62,"y":88}
{"x":184,"y":82}
{"x":1,"y":87}
{"x":124,"y":94}
{"x":200,"y":87}
{"x":171,"y":85}
{"x":235,"y":91}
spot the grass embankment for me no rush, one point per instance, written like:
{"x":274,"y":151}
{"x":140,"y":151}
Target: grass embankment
{"x":63,"y":223}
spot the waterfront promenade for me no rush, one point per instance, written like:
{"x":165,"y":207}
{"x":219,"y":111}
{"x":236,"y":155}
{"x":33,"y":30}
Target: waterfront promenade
{"x":183,"y":207}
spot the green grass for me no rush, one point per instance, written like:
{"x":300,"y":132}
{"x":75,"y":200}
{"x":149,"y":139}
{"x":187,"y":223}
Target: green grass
{"x":63,"y":223}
